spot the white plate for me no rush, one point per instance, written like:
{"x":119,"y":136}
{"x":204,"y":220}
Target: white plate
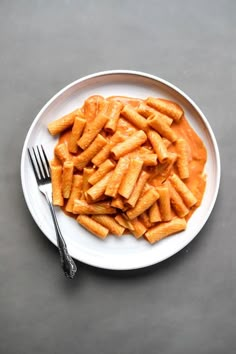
{"x":125,"y":252}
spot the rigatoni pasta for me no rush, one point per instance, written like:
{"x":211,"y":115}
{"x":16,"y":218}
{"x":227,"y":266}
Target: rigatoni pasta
{"x":182,"y":158}
{"x":76,"y":132}
{"x":130,"y":144}
{"x":171,"y":109}
{"x":67,"y":177}
{"x":58,"y":126}
{"x":93,"y":226}
{"x":129,"y":180}
{"x":76,"y":192}
{"x":163,"y":230}
{"x":56,"y":175}
{"x":126,"y":165}
{"x":110,"y":223}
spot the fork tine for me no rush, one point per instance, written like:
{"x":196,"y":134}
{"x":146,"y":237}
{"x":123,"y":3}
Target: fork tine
{"x":41,"y":176}
{"x":46,"y":159}
{"x":42,"y":163}
{"x":33,"y":165}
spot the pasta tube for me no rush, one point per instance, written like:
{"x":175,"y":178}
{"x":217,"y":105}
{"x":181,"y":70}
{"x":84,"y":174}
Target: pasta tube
{"x":76,"y":191}
{"x":137,"y":189}
{"x":144,"y":218}
{"x":135,"y":118}
{"x":110,"y":223}
{"x":103,"y":155}
{"x":103,"y":169}
{"x":113,"y":112}
{"x":87,"y":173}
{"x":67,"y":177}
{"x":130,"y":144}
{"x":76,"y":132}
{"x":164,"y":203}
{"x":116,"y":177}
{"x":186,"y":194}
{"x":144,"y":203}
{"x":61,"y":152}
{"x":86,"y":156}
{"x":177,"y":202}
{"x":63,"y":123}
{"x":149,"y":160}
{"x":56,"y":176}
{"x":118,"y":202}
{"x":123,"y":221}
{"x":92,"y":226}
{"x":97,"y":190}
{"x":82,"y":207}
{"x":92,"y":130}
{"x":158,"y":145}
{"x":182,"y":158}
{"x":157,"y":123}
{"x":139,"y":228}
{"x":169,"y":108}
{"x":148,"y":111}
{"x":154,"y":213}
{"x":163,"y":230}
{"x":91,"y":108}
{"x":130,"y":178}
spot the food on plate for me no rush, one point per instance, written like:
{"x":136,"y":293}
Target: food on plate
{"x":124,"y":165}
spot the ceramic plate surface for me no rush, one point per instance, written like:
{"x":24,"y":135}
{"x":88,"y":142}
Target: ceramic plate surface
{"x":125,"y":252}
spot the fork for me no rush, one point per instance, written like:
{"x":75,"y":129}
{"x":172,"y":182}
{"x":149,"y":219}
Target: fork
{"x":42,"y":174}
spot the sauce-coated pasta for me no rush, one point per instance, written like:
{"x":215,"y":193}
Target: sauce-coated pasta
{"x":125,"y":165}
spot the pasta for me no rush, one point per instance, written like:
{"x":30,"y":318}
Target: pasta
{"x":156,"y":122}
{"x":182,"y":158}
{"x":131,"y":202}
{"x":76,"y":192}
{"x":143,"y":204}
{"x":56,"y":175}
{"x":62,"y":153}
{"x":103,"y":169}
{"x":110,"y":223}
{"x":87,"y":173}
{"x":128,"y":165}
{"x":177,"y":202}
{"x":186,"y":194}
{"x":93,"y":226}
{"x":92,"y":130}
{"x":135,"y":118}
{"x":67,"y":177}
{"x":76,"y":132}
{"x":129,"y":180}
{"x":130,"y":144}
{"x":164,"y":203}
{"x":154,"y":213}
{"x":115,"y":180}
{"x":82,"y":207}
{"x":86,"y":156}
{"x":123,"y":221}
{"x":147,"y":111}
{"x":158,"y":145}
{"x":171,"y":109}
{"x":139,"y":228}
{"x":163,"y":230}
{"x":63,"y":123}
{"x":104,"y":153}
{"x":113,"y":112}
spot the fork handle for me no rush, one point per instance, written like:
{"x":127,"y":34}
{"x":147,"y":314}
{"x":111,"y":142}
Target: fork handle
{"x":67,"y":263}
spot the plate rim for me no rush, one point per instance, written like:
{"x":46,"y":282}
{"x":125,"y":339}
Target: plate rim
{"x":173,"y":87}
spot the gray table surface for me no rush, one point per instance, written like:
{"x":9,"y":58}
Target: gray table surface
{"x":186,"y":304}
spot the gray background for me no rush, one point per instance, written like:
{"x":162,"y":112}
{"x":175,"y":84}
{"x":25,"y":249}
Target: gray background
{"x":186,"y":304}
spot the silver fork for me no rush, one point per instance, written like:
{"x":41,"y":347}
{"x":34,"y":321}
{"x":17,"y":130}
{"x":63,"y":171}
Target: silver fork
{"x":41,"y":169}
